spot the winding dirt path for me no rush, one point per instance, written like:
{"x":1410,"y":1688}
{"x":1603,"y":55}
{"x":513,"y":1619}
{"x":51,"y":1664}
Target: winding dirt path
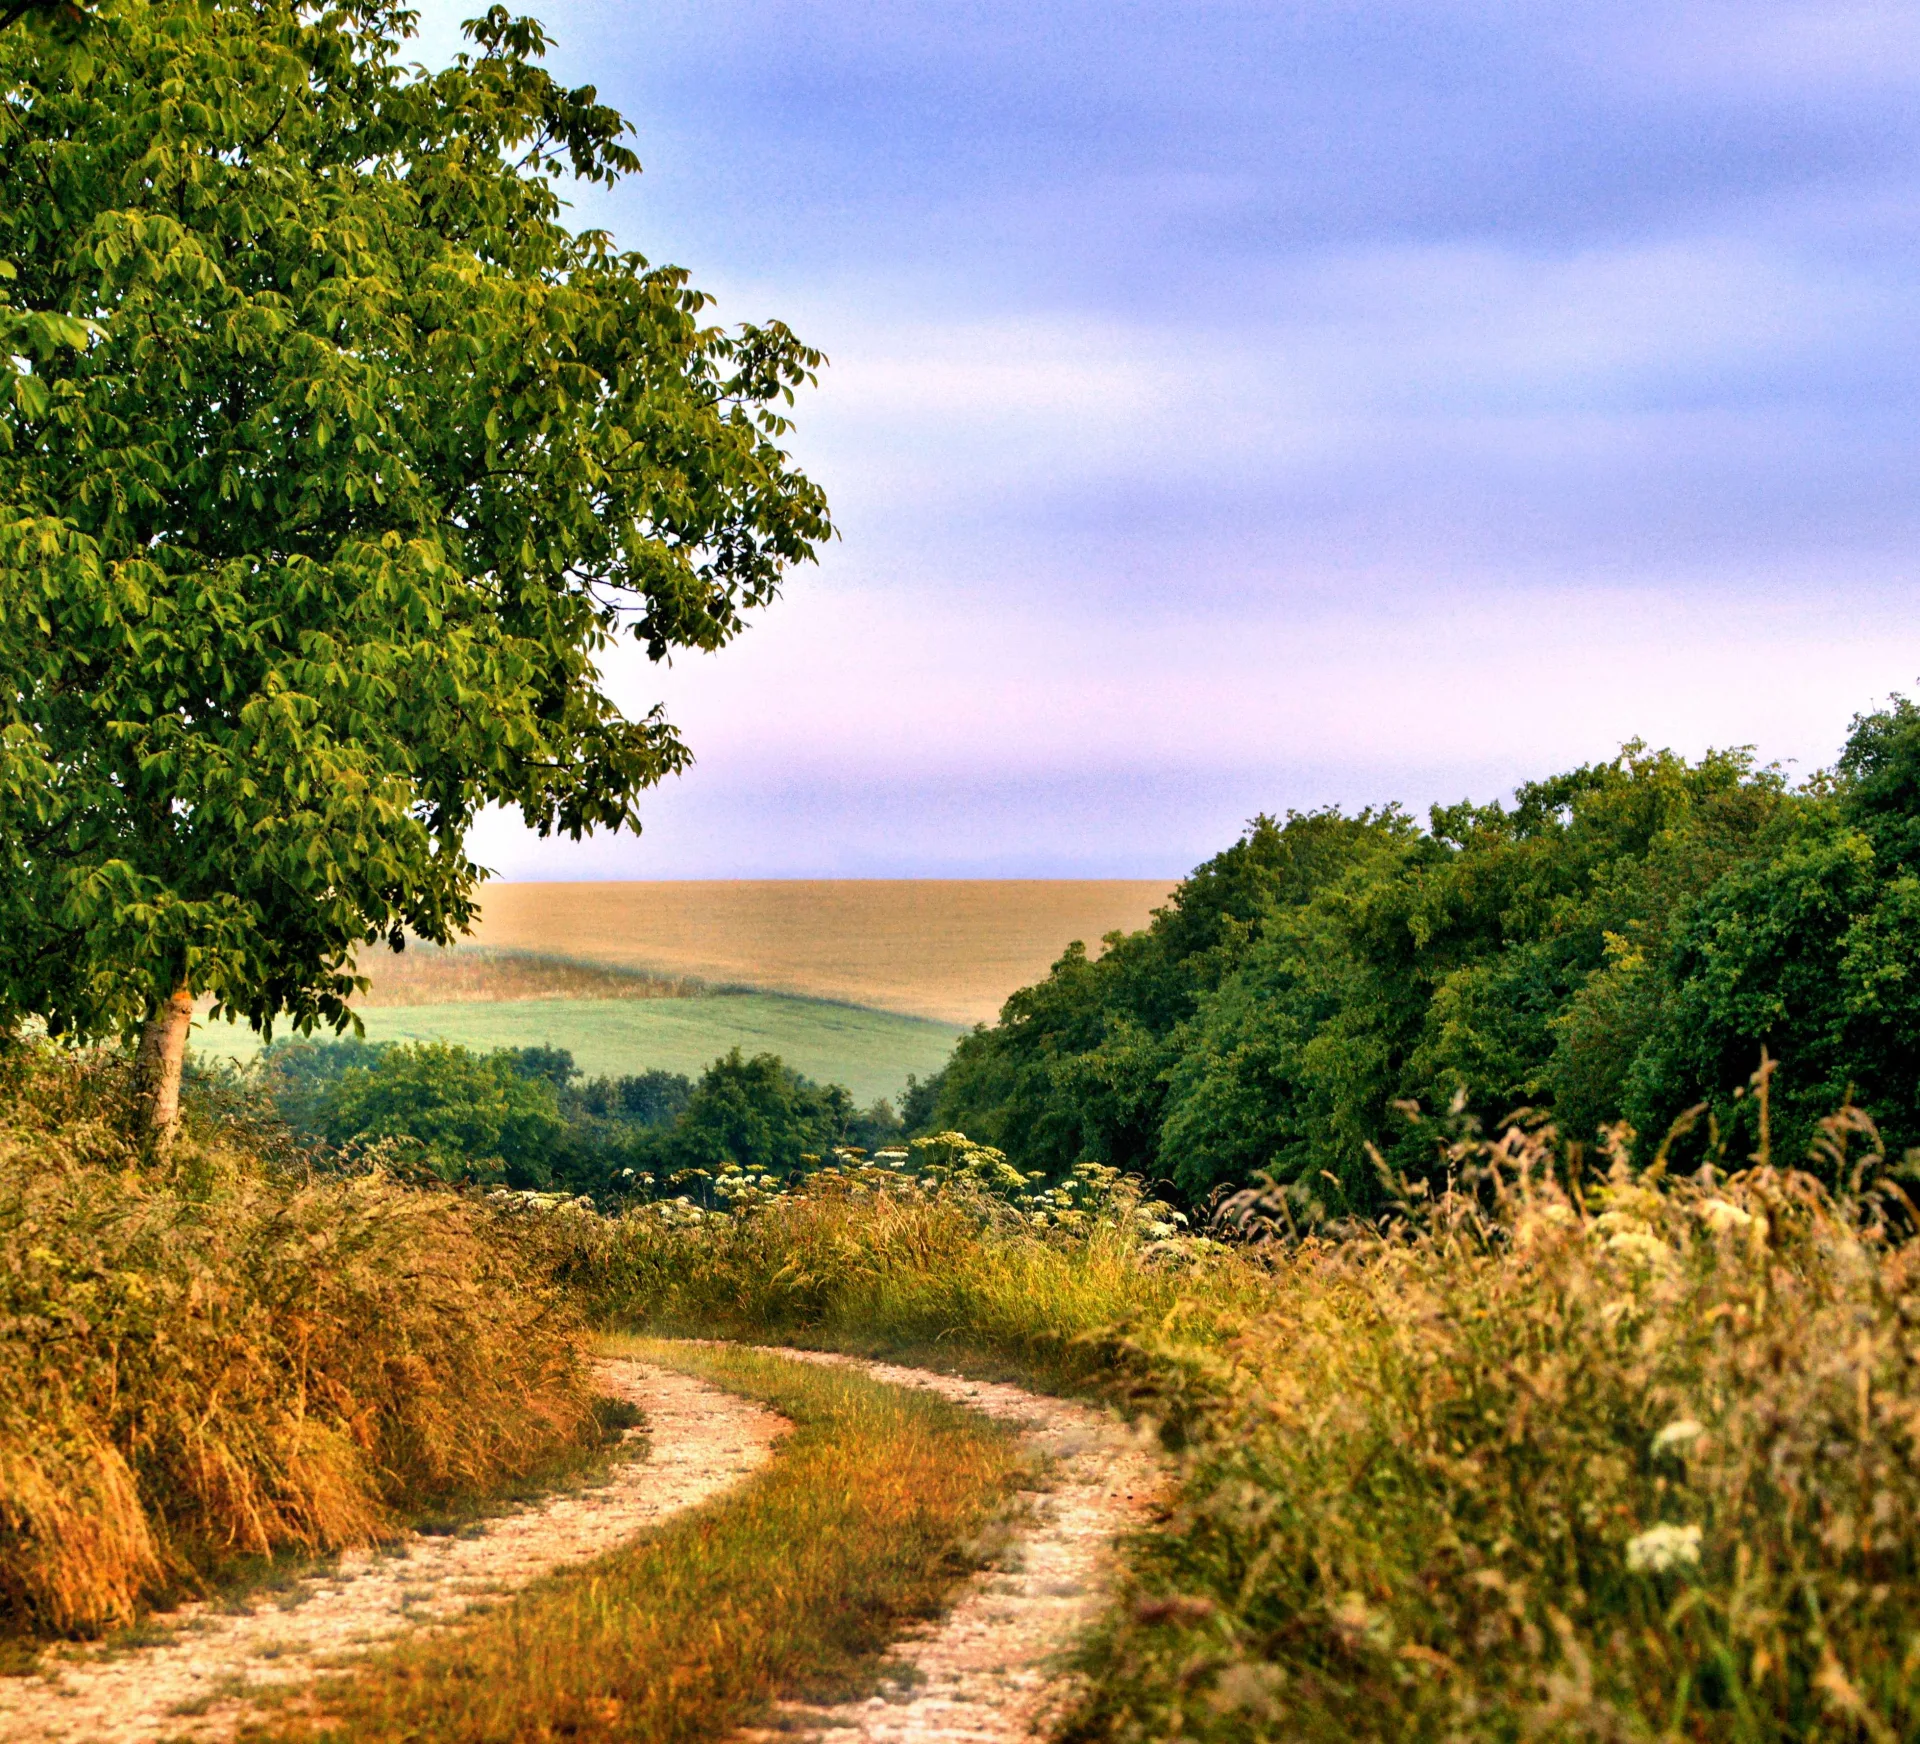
{"x":198,"y":1684}
{"x":987,"y":1672}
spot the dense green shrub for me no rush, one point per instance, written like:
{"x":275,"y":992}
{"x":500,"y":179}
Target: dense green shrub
{"x":519,"y":1117}
{"x":759,"y":1115}
{"x":470,"y":1115}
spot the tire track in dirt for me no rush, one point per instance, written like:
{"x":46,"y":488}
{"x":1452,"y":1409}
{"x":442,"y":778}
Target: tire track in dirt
{"x":201,"y":1683}
{"x":987,"y":1672}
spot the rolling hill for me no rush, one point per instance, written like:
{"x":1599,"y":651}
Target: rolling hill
{"x":946,"y":949}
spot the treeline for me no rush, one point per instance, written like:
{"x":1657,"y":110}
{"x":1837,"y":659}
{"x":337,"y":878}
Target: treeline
{"x":1618,"y":944}
{"x":526,"y":1118}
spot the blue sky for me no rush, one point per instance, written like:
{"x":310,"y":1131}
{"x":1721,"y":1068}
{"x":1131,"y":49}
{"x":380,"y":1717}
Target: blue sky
{"x":1235,"y":407}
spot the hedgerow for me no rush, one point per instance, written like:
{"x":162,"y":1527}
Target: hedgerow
{"x":233,"y":1357}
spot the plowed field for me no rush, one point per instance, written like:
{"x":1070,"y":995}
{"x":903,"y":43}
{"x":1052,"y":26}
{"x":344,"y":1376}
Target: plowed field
{"x":946,"y":949}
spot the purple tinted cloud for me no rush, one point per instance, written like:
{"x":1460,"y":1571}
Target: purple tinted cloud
{"x":1243,"y":406}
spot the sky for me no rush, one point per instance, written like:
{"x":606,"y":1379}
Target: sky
{"x":1241,"y":407}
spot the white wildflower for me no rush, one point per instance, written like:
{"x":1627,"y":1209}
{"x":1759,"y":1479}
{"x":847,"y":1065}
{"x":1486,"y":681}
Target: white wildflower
{"x":1358,"y":1621}
{"x":1662,"y":1549}
{"x":1640,"y":1244}
{"x":1677,"y":1435}
{"x":1720,"y":1215}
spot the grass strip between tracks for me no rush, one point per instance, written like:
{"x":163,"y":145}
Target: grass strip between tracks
{"x":787,"y":1588}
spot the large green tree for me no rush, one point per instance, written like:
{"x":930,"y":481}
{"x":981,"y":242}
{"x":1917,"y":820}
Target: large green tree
{"x":331,"y":460}
{"x":1619,"y":942}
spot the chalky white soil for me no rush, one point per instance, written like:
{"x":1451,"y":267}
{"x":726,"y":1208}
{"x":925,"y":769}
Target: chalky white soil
{"x":200,"y":1683}
{"x":987,"y":1672}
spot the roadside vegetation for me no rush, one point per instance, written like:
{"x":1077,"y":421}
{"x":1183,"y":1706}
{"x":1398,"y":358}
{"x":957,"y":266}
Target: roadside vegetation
{"x":234,"y":1357}
{"x":879,"y":1502}
{"x":1565,"y":1449}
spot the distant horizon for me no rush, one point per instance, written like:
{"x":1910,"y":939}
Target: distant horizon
{"x":852,"y":878}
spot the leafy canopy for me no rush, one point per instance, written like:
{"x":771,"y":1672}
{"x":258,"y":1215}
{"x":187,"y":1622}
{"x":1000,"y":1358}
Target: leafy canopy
{"x":331,"y":460}
{"x":467,"y":1112}
{"x":1617,"y":944}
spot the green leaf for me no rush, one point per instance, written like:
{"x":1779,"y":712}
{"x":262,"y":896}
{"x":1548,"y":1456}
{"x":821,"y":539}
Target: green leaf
{"x":309,"y":522}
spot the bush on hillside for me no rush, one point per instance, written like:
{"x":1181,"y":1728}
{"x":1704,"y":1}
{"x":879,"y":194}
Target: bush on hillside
{"x":235,"y":1358}
{"x":759,"y":1115}
{"x":470,"y":1116}
{"x":522,"y":1117}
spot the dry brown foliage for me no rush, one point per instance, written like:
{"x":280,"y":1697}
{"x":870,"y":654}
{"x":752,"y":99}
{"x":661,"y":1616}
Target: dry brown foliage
{"x":468,"y":974}
{"x":230,"y":1359}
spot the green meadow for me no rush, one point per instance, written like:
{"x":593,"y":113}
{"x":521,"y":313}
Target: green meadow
{"x":871,"y":1052}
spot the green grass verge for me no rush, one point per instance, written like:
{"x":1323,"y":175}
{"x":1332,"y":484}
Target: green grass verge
{"x":871,"y":1052}
{"x":788,"y":1587}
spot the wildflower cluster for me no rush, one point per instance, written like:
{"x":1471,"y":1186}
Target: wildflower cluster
{"x":1552,"y":1453}
{"x":947,"y":1167}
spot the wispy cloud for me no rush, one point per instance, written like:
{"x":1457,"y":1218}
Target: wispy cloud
{"x":1236,"y":405}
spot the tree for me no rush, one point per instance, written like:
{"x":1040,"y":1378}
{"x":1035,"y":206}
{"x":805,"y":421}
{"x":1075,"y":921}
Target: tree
{"x":759,"y":1115}
{"x":1078,"y":1066}
{"x":331,"y":460}
{"x":467,"y":1111}
{"x":1620,"y":941}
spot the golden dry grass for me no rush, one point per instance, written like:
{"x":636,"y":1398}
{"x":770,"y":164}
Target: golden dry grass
{"x":945,"y":948}
{"x":479,"y":974}
{"x":227,"y":1360}
{"x":1560,"y":1455}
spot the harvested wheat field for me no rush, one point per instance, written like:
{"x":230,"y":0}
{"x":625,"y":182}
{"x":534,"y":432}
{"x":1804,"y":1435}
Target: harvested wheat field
{"x":479,"y":974}
{"x":947,"y":949}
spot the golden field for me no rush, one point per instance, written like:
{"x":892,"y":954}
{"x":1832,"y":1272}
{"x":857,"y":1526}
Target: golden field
{"x":478,"y":974}
{"x":947,"y":949}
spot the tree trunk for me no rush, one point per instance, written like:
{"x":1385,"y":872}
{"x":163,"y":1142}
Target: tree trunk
{"x":163,"y":1050}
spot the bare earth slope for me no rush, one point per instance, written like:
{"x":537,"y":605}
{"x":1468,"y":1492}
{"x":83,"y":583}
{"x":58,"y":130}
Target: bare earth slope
{"x":943,"y":948}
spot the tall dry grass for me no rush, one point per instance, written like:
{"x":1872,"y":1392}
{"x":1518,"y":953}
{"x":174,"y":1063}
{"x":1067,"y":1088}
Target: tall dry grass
{"x":231,"y":1359}
{"x":1633,"y":1458}
{"x":1563,"y":1454}
{"x":866,"y":1259}
{"x":467,"y":974}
